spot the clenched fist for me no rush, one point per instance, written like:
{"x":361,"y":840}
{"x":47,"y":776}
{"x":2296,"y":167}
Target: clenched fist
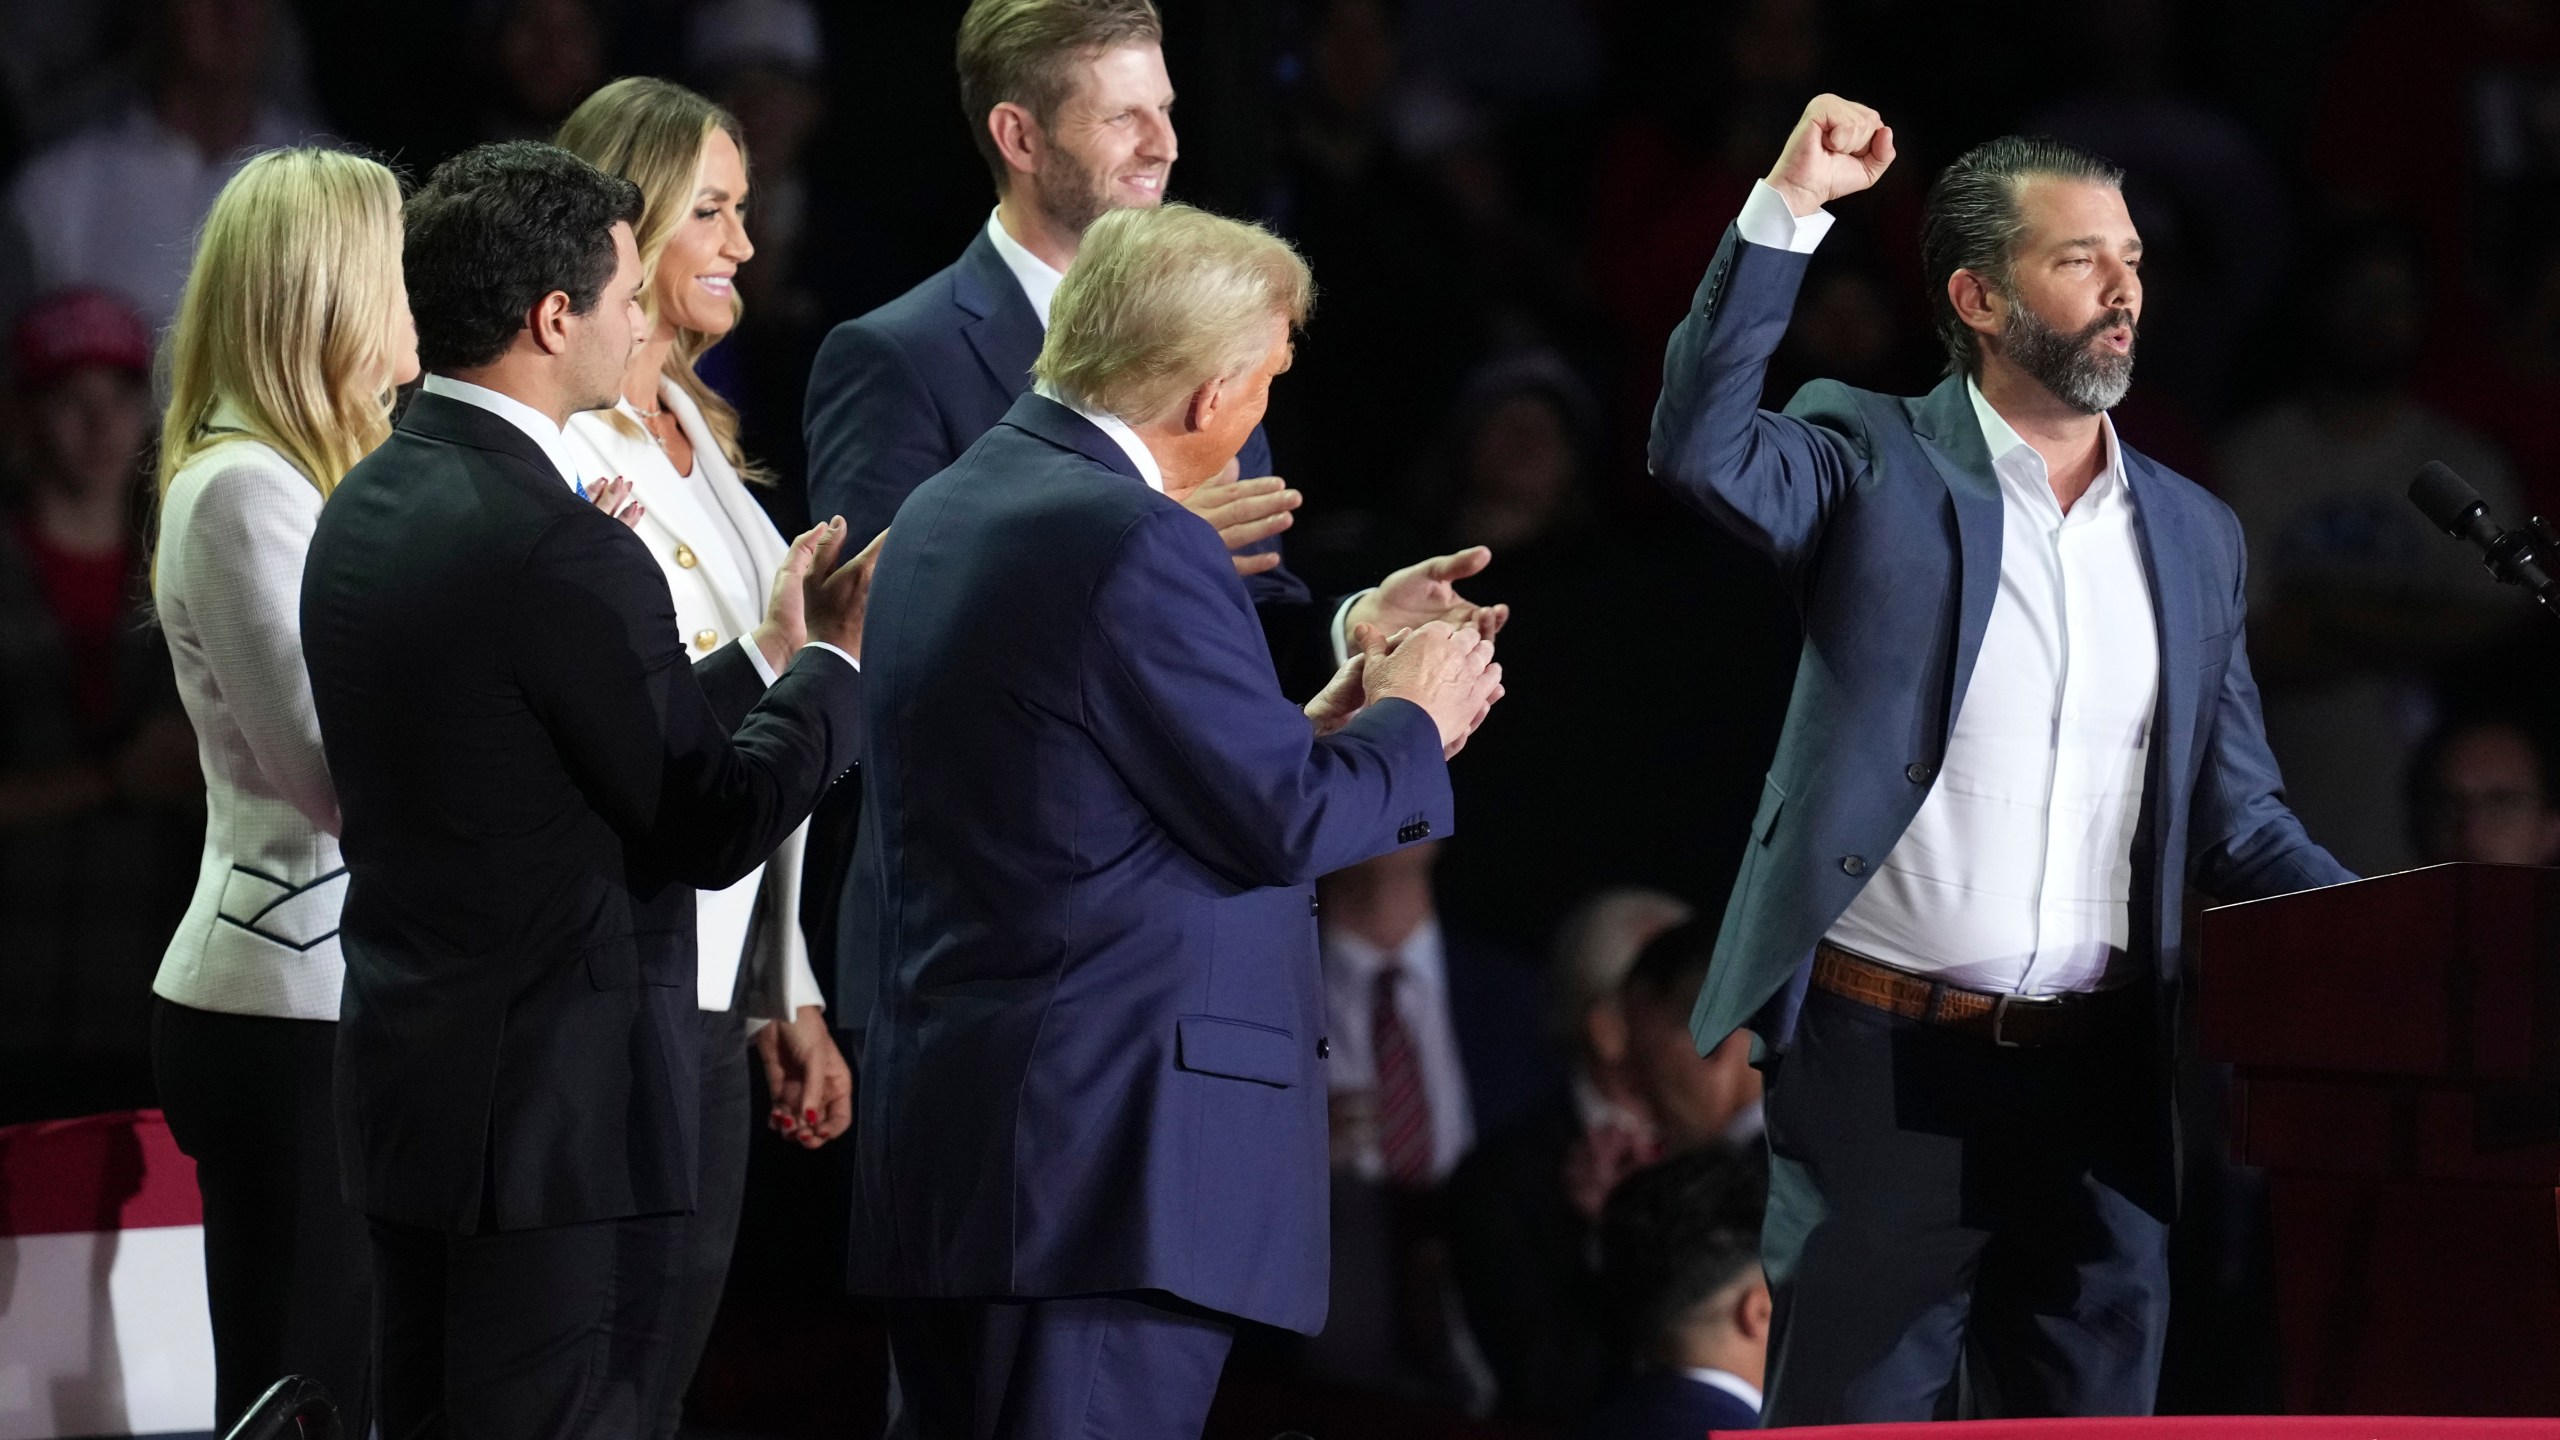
{"x":1839,"y":147}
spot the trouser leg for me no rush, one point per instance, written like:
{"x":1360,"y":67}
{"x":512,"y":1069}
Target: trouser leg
{"x":706,"y":1238}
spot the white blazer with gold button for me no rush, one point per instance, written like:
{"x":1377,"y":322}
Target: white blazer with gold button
{"x":720,"y":555}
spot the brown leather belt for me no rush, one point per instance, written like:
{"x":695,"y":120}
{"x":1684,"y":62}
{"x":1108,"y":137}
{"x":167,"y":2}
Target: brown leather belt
{"x":2008,"y":1021}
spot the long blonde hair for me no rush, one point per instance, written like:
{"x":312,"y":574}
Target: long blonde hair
{"x":287,"y":316}
{"x":651,"y":133}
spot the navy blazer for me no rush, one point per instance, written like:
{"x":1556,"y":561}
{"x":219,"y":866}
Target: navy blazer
{"x":1094,"y":1059}
{"x":1883,"y":516}
{"x":1668,"y":1405}
{"x":897,"y":394}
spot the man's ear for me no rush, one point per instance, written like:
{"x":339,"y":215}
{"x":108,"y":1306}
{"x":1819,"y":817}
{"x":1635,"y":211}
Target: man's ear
{"x":549,"y":322}
{"x":1976,"y":303}
{"x":1017,"y":136}
{"x":1751,"y":1311}
{"x":1201,"y":410}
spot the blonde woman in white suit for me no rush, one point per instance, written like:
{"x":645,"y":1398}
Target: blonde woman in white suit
{"x":676,"y":443}
{"x":291,"y":335}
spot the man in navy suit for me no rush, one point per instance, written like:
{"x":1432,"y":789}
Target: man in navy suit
{"x":1093,"y":1098}
{"x":1680,"y":1275}
{"x":2024,"y":720}
{"x":1071,"y":108}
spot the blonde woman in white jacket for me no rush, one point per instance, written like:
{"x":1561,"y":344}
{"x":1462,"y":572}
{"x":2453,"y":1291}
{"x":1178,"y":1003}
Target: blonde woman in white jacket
{"x":291,"y":335}
{"x":676,"y":443}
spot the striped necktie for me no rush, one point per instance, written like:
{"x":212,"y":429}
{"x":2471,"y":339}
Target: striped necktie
{"x":1404,"y":1109}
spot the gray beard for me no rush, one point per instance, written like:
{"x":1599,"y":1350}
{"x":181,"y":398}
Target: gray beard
{"x":2089,"y":381}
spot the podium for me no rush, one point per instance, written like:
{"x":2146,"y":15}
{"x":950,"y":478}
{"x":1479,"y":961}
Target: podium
{"x":2396,"y":1043}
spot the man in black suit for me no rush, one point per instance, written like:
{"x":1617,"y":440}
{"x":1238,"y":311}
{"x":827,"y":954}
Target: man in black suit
{"x":534,"y":782}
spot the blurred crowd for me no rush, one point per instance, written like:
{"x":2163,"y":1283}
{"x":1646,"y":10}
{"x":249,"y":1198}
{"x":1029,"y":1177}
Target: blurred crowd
{"x":2354,"y":268}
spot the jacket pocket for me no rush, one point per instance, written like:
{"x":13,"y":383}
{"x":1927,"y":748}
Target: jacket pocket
{"x":1236,"y":1049}
{"x":1764,"y":823}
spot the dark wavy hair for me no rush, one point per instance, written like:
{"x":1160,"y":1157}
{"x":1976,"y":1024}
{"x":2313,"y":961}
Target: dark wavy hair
{"x":1973,"y":223}
{"x":497,"y":228}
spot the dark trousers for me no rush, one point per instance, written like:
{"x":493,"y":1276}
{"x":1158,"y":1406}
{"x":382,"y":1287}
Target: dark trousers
{"x":1097,"y":1367}
{"x":705,"y":1238}
{"x":1936,"y":1201}
{"x":288,"y":1271}
{"x":562,"y":1333}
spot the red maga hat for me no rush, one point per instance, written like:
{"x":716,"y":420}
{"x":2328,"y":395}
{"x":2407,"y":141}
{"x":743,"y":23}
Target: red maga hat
{"x":67,"y":329}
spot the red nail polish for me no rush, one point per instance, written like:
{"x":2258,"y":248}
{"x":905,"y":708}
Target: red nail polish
{"x":813,"y":1117}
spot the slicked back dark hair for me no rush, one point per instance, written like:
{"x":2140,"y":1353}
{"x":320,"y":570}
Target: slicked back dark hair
{"x":1678,"y":1233}
{"x":1973,"y":222}
{"x":497,"y":228}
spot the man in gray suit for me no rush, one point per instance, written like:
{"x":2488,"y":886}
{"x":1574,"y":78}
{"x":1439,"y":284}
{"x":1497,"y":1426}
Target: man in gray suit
{"x":2024,"y":718}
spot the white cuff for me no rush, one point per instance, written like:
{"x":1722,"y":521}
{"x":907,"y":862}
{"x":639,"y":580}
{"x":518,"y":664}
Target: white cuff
{"x":1341,"y":628}
{"x":1766,"y":220}
{"x":836,"y":652}
{"x":755,"y":657}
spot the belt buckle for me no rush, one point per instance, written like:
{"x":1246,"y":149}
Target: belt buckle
{"x":1999,"y":1019}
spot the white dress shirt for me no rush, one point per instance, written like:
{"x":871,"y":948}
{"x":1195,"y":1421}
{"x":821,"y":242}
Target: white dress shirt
{"x":1038,"y":278}
{"x":260,"y":936}
{"x":719,"y":554}
{"x":2017,"y":873}
{"x":537,"y":426}
{"x":1351,"y":969}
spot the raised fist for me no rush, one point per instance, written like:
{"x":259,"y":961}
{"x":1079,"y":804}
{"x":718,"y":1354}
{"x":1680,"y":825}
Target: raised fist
{"x":1839,"y":147}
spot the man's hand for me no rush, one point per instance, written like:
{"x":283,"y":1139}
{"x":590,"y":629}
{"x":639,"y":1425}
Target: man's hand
{"x":1839,"y":147}
{"x":1419,"y":594}
{"x":613,"y":497}
{"x":812,"y":1088}
{"x":1245,"y":512}
{"x":835,"y":596}
{"x":1448,"y":671}
{"x":1341,"y":697}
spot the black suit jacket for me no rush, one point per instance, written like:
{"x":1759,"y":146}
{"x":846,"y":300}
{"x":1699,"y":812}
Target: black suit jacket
{"x":534,"y":780}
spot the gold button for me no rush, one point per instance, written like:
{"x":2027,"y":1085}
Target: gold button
{"x":705,"y":639}
{"x":684,"y":556}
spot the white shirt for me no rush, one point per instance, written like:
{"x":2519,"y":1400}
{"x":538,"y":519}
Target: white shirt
{"x":118,"y":204}
{"x":537,"y":426}
{"x":2016,"y":876}
{"x":1351,"y":968}
{"x":1038,"y":278}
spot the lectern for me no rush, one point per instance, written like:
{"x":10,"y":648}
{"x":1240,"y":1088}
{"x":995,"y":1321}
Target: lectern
{"x":2397,"y":1049}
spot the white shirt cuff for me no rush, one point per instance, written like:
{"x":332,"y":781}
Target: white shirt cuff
{"x":1341,"y":630}
{"x":1766,"y":220}
{"x":755,"y":657}
{"x":836,"y":652}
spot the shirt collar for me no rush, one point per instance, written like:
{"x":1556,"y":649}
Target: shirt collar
{"x":1119,"y":431}
{"x":2012,"y":456}
{"x":1353,"y":961}
{"x":1731,"y":1384}
{"x":515,"y":412}
{"x":1038,"y":280}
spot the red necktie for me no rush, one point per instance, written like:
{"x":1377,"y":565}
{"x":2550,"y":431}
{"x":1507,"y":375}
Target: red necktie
{"x":1404,"y":1110}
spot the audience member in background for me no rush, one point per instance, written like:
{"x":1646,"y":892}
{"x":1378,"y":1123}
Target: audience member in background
{"x":1680,"y":1270}
{"x":1523,"y":1207}
{"x":98,"y":787}
{"x":676,"y":442}
{"x":543,"y":57}
{"x":117,"y":205}
{"x":1435,"y":1038}
{"x":2480,"y":789}
{"x":2354,"y":598}
{"x":292,"y":334}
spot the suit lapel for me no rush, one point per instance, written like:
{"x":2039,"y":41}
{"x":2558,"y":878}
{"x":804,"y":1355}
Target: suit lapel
{"x":1944,"y":423}
{"x":2168,"y":559}
{"x":1003,"y":328}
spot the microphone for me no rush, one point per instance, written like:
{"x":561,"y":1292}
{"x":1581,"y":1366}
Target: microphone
{"x":2515,"y":557}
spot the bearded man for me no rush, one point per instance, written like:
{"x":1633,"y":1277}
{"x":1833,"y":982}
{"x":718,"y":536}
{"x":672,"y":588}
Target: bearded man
{"x":2023,"y":722}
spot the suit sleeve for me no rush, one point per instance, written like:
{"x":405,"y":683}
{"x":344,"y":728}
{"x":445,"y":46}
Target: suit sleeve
{"x":2246,"y":842}
{"x":611,"y":685}
{"x":873,"y":429}
{"x":1770,"y":479}
{"x":1179,"y":694}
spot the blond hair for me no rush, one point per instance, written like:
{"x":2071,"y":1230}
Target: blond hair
{"x":651,"y":133}
{"x":1161,"y":301}
{"x":1019,"y":52}
{"x":287,"y":316}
